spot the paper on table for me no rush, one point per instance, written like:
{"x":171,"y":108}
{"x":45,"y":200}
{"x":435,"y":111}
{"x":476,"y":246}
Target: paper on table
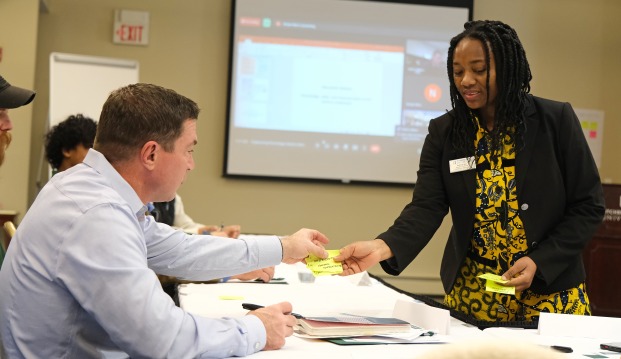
{"x":361,"y":279}
{"x":415,"y":335}
{"x":586,"y":326}
{"x":422,"y":315}
{"x":423,"y":338}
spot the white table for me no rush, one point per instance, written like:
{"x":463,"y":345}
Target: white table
{"x":336,"y":295}
{"x":326,"y":296}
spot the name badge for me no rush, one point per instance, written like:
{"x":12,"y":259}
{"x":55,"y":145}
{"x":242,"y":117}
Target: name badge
{"x":462,"y":164}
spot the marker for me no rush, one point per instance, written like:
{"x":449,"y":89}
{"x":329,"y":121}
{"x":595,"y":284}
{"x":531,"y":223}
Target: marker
{"x":251,"y":306}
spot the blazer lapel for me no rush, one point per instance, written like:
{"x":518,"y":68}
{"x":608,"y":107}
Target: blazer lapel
{"x":522,"y":158}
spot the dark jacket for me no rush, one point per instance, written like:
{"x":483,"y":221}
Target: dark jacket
{"x":558,"y":189}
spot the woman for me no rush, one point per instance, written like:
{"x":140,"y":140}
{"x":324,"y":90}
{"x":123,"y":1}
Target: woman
{"x":519,"y":179}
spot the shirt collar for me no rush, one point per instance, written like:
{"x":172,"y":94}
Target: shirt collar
{"x":99,"y":163}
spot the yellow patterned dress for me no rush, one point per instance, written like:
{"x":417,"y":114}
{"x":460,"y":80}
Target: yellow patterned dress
{"x":498,"y":241}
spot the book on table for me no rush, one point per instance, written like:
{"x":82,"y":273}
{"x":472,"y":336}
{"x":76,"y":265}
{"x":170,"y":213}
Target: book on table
{"x":348,"y":326}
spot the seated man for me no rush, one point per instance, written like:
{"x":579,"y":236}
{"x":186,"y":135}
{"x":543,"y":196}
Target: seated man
{"x":67,"y":143}
{"x":80,"y":280}
{"x":10,"y":97}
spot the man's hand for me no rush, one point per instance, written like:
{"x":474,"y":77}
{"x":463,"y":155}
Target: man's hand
{"x":521,"y":274}
{"x":299,"y":245}
{"x":360,"y":256}
{"x":231,"y":231}
{"x":219,"y":234}
{"x":278,"y":323}
{"x":264,"y":274}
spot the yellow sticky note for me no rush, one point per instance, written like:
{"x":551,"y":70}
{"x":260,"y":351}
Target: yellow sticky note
{"x":325,"y":266}
{"x":492,"y":284}
{"x":231,"y":297}
{"x":493,"y":277}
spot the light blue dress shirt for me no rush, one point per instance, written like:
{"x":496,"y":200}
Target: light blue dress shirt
{"x":78,"y":279}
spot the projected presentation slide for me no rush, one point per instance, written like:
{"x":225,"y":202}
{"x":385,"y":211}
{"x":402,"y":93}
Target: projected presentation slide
{"x":336,"y":90}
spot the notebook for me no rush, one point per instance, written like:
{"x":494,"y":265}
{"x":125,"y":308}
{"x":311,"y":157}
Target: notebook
{"x":349,"y":326}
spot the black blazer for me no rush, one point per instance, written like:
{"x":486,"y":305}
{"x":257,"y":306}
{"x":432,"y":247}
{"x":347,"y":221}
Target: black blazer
{"x":558,"y":189}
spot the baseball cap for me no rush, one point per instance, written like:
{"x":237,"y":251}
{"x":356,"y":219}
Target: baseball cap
{"x":13,"y":96}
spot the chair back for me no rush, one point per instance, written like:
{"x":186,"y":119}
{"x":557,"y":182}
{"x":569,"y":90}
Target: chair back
{"x":9,"y":229}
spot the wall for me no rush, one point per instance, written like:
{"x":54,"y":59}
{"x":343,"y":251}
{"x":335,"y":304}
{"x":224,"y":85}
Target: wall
{"x":572,"y":46}
{"x":574,"y":51}
{"x":18,"y":39}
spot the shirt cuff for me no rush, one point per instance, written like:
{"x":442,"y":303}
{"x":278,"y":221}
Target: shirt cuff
{"x":270,"y":251}
{"x":256,"y":333}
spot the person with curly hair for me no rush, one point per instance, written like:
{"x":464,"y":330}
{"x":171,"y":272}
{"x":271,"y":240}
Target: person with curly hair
{"x":67,"y":143}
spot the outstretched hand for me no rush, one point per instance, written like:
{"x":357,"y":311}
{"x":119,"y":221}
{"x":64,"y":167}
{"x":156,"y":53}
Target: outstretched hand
{"x":521,"y":274}
{"x":360,"y":256}
{"x":299,"y":245}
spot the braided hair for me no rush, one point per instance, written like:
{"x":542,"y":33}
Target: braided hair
{"x":513,"y":82}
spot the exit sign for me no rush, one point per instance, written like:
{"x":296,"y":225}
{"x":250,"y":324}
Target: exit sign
{"x":131,"y":27}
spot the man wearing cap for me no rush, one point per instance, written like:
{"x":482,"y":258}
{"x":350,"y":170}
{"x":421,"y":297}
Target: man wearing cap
{"x":10,"y":97}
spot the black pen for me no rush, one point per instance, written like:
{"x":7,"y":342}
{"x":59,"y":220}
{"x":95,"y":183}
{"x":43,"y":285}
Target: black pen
{"x":562,"y":349}
{"x":251,"y":306}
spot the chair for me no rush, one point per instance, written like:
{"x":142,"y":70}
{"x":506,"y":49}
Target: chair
{"x":9,"y":230}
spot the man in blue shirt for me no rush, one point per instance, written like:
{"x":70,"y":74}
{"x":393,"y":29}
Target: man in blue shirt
{"x":79,"y":277}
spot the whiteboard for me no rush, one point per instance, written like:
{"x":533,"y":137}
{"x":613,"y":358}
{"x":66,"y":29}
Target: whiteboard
{"x":81,"y":84}
{"x":592,"y":122}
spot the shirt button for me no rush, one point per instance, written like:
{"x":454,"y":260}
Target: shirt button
{"x":257,"y":346}
{"x":534,"y":245}
{"x":524,"y":206}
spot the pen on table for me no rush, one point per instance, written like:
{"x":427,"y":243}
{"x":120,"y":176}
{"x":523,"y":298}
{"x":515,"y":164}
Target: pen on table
{"x":562,"y":349}
{"x":251,"y":306}
{"x":272,"y":281}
